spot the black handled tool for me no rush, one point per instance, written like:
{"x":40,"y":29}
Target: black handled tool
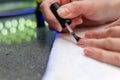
{"x":64,"y":22}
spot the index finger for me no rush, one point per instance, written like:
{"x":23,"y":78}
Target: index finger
{"x":112,"y":44}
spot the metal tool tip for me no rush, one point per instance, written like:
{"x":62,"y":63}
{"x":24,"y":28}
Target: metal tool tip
{"x":76,"y":37}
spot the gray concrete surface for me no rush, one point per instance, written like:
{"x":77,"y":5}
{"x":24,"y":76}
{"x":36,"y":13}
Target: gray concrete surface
{"x":26,"y":61}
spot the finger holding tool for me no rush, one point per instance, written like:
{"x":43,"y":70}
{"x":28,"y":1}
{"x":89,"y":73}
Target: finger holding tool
{"x":63,"y":22}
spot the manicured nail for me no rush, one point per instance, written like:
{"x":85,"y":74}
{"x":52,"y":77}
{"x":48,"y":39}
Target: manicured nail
{"x":88,"y":35}
{"x":82,"y":42}
{"x":88,"y":51}
{"x":62,"y":11}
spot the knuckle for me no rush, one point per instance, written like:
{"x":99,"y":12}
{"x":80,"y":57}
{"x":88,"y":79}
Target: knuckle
{"x":110,"y":31}
{"x":107,"y":43}
{"x":100,"y":56}
{"x":92,"y":42}
{"x":96,"y":34}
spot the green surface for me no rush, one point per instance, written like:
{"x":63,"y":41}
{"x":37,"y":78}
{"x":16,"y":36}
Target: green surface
{"x":18,"y":30}
{"x":16,"y":5}
{"x":24,"y":49}
{"x":28,"y":60}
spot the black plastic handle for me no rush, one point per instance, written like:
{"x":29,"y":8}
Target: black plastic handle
{"x":54,"y":7}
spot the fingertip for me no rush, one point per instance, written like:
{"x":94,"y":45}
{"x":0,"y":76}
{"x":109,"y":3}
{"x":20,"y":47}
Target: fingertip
{"x":59,"y":28}
{"x":94,"y":53}
{"x":62,"y":12}
{"x":87,"y":51}
{"x":91,"y":52}
{"x":82,"y":42}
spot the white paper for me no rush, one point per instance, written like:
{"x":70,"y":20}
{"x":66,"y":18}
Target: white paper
{"x":67,"y":62}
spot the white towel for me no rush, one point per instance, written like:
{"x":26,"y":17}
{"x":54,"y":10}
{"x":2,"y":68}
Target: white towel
{"x":67,"y":62}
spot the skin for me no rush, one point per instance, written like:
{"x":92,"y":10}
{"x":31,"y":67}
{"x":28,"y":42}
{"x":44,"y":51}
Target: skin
{"x":102,"y":45}
{"x":82,"y":12}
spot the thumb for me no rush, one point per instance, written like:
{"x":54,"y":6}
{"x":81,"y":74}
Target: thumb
{"x":74,"y":9}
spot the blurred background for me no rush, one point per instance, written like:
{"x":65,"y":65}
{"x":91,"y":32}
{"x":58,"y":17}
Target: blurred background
{"x":19,"y":16}
{"x":25,"y":40}
{"x":11,"y":5}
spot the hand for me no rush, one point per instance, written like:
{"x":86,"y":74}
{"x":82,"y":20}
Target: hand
{"x":103,"y":45}
{"x":88,"y":12}
{"x":45,"y":8}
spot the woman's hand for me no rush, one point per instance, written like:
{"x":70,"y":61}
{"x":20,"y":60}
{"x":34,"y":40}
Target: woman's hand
{"x":88,"y":12}
{"x":45,"y":8}
{"x":103,"y":45}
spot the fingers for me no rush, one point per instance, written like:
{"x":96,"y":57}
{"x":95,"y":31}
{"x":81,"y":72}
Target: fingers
{"x":74,"y":9}
{"x":115,"y":23}
{"x":76,"y":21}
{"x":45,"y":8}
{"x":110,"y":57}
{"x":109,"y":32}
{"x":54,"y":24}
{"x":112,"y":44}
{"x":90,"y":23}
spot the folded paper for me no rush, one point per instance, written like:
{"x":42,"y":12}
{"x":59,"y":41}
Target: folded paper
{"x":68,"y":62}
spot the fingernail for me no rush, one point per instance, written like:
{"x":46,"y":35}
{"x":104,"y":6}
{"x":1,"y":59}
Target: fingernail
{"x":88,"y":35}
{"x":62,"y":11}
{"x":88,"y":51}
{"x":82,"y":42}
